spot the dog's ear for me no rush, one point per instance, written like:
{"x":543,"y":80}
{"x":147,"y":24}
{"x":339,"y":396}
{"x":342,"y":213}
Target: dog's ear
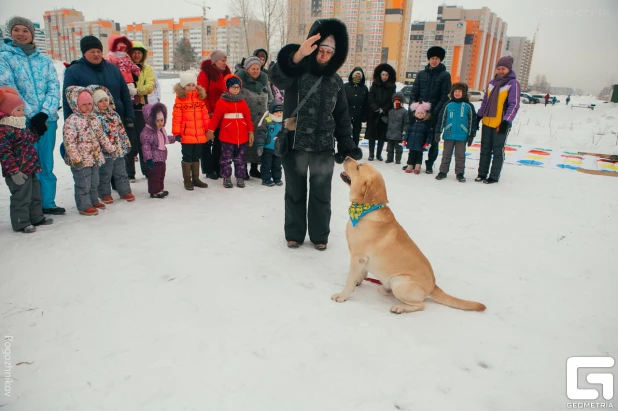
{"x":358,"y":190}
{"x":375,"y":190}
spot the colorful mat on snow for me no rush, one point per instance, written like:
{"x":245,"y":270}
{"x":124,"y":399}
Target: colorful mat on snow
{"x":534,"y":156}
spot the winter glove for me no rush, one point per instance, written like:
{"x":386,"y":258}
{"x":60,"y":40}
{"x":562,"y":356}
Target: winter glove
{"x":251,"y":138}
{"x":128,"y":123}
{"x":504,"y":127}
{"x":345,"y":148}
{"x":150,"y":164}
{"x":78,"y":166}
{"x":437,"y":137}
{"x":211,"y":135}
{"x":178,"y":139}
{"x":132,"y":89}
{"x":404,"y":142}
{"x":426,"y":145}
{"x":470,"y":141}
{"x":19,"y":178}
{"x":38,"y":123}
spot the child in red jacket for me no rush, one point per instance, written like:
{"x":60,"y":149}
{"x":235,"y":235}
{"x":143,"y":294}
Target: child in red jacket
{"x":233,"y":118}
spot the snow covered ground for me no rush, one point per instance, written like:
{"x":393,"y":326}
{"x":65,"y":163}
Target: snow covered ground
{"x":194,"y":302}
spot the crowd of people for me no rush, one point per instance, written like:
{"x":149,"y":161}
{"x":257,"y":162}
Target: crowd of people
{"x":293,"y":117}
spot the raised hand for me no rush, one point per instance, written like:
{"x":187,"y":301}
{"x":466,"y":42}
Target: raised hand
{"x":306,"y":48}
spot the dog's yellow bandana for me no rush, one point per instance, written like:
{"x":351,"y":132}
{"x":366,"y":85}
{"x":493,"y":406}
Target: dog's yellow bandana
{"x":357,"y":211}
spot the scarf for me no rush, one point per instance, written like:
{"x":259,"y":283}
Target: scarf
{"x":492,"y":100}
{"x":358,"y":211}
{"x":234,"y":98}
{"x":119,"y":54}
{"x":161,"y":137}
{"x":27,"y":48}
{"x":17,"y":122}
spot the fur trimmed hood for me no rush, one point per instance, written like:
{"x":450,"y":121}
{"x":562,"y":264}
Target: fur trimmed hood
{"x":150,"y":112}
{"x":114,"y":41}
{"x":95,"y":87}
{"x":212,"y":72}
{"x":181,"y":93}
{"x":72,"y":93}
{"x":362,"y":82}
{"x":392,"y":75}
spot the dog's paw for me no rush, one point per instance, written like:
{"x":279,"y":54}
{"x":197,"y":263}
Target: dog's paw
{"x":398,"y":309}
{"x":339,"y":297}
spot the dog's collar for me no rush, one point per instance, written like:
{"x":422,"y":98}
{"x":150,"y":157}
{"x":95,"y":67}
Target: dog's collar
{"x":358,"y":211}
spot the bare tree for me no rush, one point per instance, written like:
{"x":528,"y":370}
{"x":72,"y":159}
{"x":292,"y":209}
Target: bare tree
{"x":244,"y":10}
{"x":269,"y":14}
{"x":284,"y":30}
{"x":541,"y":84}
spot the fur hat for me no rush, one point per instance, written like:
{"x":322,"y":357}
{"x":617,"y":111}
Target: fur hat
{"x":436,"y":51}
{"x":187,"y":77}
{"x":98,"y":95}
{"x":459,"y":86}
{"x":89,"y":43}
{"x":9,"y":101}
{"x":217,"y":55}
{"x":230,"y":80}
{"x":20,"y":21}
{"x":261,"y":53}
{"x":249,"y":61}
{"x":84,"y":97}
{"x":421,"y":108}
{"x":506,"y":61}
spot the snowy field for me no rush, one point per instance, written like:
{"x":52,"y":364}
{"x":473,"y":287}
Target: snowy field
{"x":195,"y":303}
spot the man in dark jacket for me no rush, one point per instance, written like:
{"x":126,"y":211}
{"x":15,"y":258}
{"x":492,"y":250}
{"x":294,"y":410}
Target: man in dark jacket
{"x":322,"y":119}
{"x":432,"y":84}
{"x":357,"y":94}
{"x":92,"y":69}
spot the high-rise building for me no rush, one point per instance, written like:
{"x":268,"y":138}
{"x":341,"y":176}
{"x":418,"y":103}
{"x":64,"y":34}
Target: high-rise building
{"x":55,"y":23}
{"x":522,"y":51}
{"x":39,"y":38}
{"x":378,"y":30}
{"x":73,"y":33}
{"x":474,"y":40}
{"x":228,"y":34}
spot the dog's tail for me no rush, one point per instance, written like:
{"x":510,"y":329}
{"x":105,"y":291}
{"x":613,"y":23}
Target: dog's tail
{"x":443,"y":298}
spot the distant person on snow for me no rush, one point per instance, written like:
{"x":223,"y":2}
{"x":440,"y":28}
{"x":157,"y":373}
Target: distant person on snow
{"x":546,"y":99}
{"x":568,"y":99}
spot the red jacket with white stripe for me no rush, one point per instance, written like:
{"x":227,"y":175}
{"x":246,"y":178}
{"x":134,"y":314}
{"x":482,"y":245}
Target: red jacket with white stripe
{"x":233,"y":118}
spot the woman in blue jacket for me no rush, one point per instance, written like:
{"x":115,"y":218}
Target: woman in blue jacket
{"x":34,"y":76}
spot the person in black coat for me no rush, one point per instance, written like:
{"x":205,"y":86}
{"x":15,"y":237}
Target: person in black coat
{"x":358,"y":101}
{"x":380,"y":102}
{"x":311,"y":135}
{"x":432,"y":85}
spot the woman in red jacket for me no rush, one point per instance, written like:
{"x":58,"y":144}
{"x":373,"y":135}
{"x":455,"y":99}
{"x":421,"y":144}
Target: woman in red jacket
{"x":233,"y":118}
{"x":211,"y":78}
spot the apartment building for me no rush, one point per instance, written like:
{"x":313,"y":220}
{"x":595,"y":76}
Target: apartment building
{"x":473,"y":39}
{"x":232,"y":35}
{"x":39,"y":38}
{"x":378,"y":30}
{"x":55,"y":22}
{"x":522,"y":51}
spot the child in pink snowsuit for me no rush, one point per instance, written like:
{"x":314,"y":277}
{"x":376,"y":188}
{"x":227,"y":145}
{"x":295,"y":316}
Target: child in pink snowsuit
{"x":119,"y":50}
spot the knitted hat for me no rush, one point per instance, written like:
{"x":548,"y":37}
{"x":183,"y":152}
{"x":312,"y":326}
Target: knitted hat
{"x":459,"y":86}
{"x":89,"y":43}
{"x":398,"y":96}
{"x":506,"y":61}
{"x":436,"y":51}
{"x":249,"y":61}
{"x":160,"y":116}
{"x":21,"y":21}
{"x":275,"y":105}
{"x":9,"y":101}
{"x":84,"y":97}
{"x":217,"y":55}
{"x":230,"y":80}
{"x":328,"y":42}
{"x":187,"y":77}
{"x":261,"y":53}
{"x":99,"y":95}
{"x":421,"y":108}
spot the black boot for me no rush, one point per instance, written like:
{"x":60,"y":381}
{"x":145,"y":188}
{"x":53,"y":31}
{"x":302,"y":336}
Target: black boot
{"x":254,"y":172}
{"x":379,"y":151}
{"x":428,"y":168}
{"x":372,"y":147}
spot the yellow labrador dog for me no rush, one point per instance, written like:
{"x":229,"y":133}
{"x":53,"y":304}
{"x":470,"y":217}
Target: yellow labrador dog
{"x":378,"y":244}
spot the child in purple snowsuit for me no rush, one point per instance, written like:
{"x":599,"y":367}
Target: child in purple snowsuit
{"x":153,"y":139}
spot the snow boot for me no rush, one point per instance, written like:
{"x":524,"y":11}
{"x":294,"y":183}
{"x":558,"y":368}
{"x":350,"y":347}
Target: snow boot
{"x":227,"y":182}
{"x":441,"y":176}
{"x":240,"y":182}
{"x":268,"y":183}
{"x":195,"y":175}
{"x":186,"y":175}
{"x":254,"y":172}
{"x":90,"y":211}
{"x":461,"y":178}
{"x":28,"y":229}
{"x":490,"y":181}
{"x":480,"y":178}
{"x":45,"y":221}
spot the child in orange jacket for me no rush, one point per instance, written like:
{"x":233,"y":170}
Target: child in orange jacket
{"x":189,"y":126}
{"x":233,"y":117}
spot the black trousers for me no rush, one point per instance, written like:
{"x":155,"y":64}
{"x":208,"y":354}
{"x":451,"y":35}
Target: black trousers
{"x":415,"y":157}
{"x":211,"y":155}
{"x":136,"y":145}
{"x":314,"y":216}
{"x":372,"y":144}
{"x":393,"y":146}
{"x":191,"y":152}
{"x":357,"y":125}
{"x":492,"y":146}
{"x":271,"y":166}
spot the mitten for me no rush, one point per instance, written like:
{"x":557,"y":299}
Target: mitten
{"x":132,"y":89}
{"x":345,"y":148}
{"x":470,"y":140}
{"x":150,"y":164}
{"x":78,"y":166}
{"x":38,"y":123}
{"x":19,"y":178}
{"x":178,"y":139}
{"x":504,"y":127}
{"x":437,"y":137}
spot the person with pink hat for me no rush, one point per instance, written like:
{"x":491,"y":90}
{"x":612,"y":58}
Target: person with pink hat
{"x":20,"y":164}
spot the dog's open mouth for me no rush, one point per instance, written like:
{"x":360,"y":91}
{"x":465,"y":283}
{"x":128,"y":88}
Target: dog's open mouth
{"x":346,"y":178}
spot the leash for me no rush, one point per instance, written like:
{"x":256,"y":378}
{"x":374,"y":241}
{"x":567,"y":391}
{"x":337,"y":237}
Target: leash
{"x":373,"y":280}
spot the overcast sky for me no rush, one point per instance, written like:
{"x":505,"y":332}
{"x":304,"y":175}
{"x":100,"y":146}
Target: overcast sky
{"x":576,"y":45}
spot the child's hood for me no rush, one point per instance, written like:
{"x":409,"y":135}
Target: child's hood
{"x":182,"y":93}
{"x":150,"y":112}
{"x":114,"y":41}
{"x":111,"y":107}
{"x":72,"y":93}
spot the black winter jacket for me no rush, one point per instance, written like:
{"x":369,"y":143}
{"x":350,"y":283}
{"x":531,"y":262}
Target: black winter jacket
{"x":358,"y":98}
{"x":433,"y":86}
